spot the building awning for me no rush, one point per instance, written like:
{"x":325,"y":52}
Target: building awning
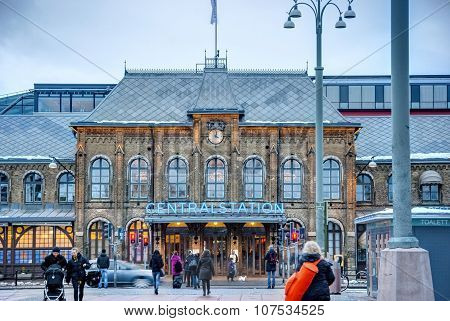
{"x":430,"y":177}
{"x":280,"y":219}
{"x":48,"y":216}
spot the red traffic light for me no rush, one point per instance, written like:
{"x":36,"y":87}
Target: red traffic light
{"x":133,"y":238}
{"x":294,"y":236}
{"x":145,"y":241}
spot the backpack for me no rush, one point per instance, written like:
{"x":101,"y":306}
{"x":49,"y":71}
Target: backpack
{"x":178,"y":267}
{"x":192,"y":263}
{"x":272,"y":258}
{"x":299,"y":282}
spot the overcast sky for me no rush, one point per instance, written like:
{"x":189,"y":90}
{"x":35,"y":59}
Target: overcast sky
{"x":174,"y":34}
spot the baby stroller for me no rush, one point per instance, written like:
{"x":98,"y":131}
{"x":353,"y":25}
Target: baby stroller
{"x":54,"y":285}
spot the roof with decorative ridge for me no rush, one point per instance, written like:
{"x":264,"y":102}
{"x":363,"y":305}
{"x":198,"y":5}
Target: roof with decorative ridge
{"x":32,"y":138}
{"x":429,"y":136}
{"x":156,"y":96}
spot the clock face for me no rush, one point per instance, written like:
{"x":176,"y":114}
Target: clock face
{"x":215,"y":136}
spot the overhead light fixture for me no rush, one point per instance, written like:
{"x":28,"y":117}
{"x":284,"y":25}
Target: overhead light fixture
{"x":295,"y":13}
{"x":349,"y":14}
{"x":341,"y":23}
{"x":53,"y":164}
{"x":289,"y":24}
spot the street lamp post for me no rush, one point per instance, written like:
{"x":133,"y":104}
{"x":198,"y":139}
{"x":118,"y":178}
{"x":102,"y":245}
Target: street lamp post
{"x":318,"y":7}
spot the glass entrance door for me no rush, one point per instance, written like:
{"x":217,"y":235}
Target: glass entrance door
{"x":217,"y":244}
{"x":253,"y":252}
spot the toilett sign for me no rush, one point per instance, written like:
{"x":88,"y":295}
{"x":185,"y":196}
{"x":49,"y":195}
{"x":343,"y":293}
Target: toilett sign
{"x":191,"y":208}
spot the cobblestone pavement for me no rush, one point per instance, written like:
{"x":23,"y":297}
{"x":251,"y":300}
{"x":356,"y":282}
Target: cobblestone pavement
{"x":166,"y":293}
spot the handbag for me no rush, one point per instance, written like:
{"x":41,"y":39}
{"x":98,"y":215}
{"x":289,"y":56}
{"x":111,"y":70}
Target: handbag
{"x":161,"y":274}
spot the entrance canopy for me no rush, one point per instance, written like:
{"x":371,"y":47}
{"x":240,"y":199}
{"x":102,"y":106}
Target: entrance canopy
{"x":226,"y":212}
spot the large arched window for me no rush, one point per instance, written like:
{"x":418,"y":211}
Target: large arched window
{"x":138,"y":252}
{"x":215,"y":179}
{"x":33,"y":188}
{"x":177,"y":178}
{"x":100,"y":179}
{"x":253,"y":178}
{"x":4,"y":189}
{"x":331,"y":180}
{"x":364,"y":188}
{"x":66,"y":188}
{"x":334,"y":239}
{"x":390,"y":189}
{"x":96,"y":240}
{"x":292,"y":179}
{"x":139,"y":179}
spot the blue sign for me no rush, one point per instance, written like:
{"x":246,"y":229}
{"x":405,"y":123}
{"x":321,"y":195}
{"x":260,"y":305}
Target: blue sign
{"x":190,"y":208}
{"x":121,"y":232}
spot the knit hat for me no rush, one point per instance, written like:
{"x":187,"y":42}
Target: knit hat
{"x":56,"y":249}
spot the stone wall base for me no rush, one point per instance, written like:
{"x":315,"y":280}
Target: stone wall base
{"x":405,"y":275}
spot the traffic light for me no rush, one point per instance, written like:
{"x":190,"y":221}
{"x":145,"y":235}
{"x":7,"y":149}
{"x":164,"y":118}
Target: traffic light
{"x":105,"y":231}
{"x":133,"y":237}
{"x":140,"y":232}
{"x":294,"y":236}
{"x":145,"y":240}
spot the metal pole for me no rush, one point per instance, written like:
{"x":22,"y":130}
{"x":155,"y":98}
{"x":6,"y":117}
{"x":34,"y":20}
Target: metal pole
{"x":319,"y":132}
{"x":115,"y":264}
{"x":401,"y":162}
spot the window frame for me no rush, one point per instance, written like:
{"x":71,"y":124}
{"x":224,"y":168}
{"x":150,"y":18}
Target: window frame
{"x":253,"y":184}
{"x":139,"y":183}
{"x":335,"y":229}
{"x":66,"y":183}
{"x":100,"y":168}
{"x":214,"y":182}
{"x":331,"y":184}
{"x":430,"y":193}
{"x":3,"y":184}
{"x":291,"y":185}
{"x":33,"y":185}
{"x":364,"y":184}
{"x":390,"y":189}
{"x":177,"y":184}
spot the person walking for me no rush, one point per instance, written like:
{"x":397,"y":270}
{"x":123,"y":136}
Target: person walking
{"x":271,"y":259}
{"x":187,"y":269}
{"x":76,"y":271}
{"x":103,"y":266}
{"x":54,"y":258}
{"x":193,"y":268}
{"x":156,"y":263}
{"x":319,"y":289}
{"x":231,"y":269}
{"x":176,"y":269}
{"x":205,"y":271}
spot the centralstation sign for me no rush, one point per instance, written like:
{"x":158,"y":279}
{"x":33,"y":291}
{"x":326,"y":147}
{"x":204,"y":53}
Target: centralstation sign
{"x":220,"y":208}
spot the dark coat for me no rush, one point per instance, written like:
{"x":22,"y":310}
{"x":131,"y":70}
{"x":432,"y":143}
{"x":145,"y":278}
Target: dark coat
{"x":76,"y":268}
{"x":205,"y":267}
{"x":271,"y":266}
{"x":51,"y":259}
{"x":103,"y":261}
{"x":191,"y":259}
{"x":156,"y":263}
{"x":319,"y":289}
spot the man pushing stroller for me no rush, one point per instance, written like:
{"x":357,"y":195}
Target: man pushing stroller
{"x":53,"y":266}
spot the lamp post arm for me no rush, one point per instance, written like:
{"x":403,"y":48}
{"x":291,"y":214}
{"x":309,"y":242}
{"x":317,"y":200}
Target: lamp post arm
{"x":326,"y":5}
{"x":365,"y":166}
{"x":59,"y":163}
{"x":305,"y":4}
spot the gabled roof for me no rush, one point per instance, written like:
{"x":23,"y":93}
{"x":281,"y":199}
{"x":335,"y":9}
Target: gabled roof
{"x":32,"y":138}
{"x":429,"y":137}
{"x":168,"y":97}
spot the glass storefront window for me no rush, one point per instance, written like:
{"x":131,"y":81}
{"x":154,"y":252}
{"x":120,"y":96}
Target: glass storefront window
{"x":44,"y":236}
{"x":62,"y":240}
{"x":49,"y":103}
{"x":24,"y":239}
{"x":82,"y":103}
{"x":23,"y":257}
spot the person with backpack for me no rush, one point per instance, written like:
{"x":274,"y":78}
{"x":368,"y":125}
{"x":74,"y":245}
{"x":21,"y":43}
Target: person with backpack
{"x":313,"y":277}
{"x":156,"y":263}
{"x":103,"y":266}
{"x":177,"y":269}
{"x":205,"y":271}
{"x":187,"y":270}
{"x":271,"y":259}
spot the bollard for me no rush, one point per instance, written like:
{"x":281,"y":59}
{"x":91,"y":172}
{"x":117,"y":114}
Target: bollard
{"x":15,"y":279}
{"x":335,"y":288}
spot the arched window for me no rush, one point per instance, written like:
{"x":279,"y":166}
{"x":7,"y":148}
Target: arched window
{"x":66,"y":188}
{"x":364,"y":188}
{"x":96,"y":240}
{"x":33,"y":188}
{"x":138,"y":252}
{"x":4,"y":189}
{"x":331,"y":180}
{"x":253,"y":178}
{"x":139,"y":179}
{"x":390,"y":190}
{"x":430,"y":186}
{"x":177,"y":178}
{"x":292,"y":179}
{"x":100,"y":179}
{"x":334,"y":239}
{"x":215,"y":178}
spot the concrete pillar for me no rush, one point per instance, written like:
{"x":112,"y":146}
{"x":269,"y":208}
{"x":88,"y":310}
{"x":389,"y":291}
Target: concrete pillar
{"x":405,"y":271}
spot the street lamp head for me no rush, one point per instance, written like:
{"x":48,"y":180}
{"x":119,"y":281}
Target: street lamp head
{"x":341,"y":23}
{"x":289,"y":24}
{"x":349,"y":14}
{"x":372,"y":164}
{"x":53,"y":165}
{"x":295,"y":13}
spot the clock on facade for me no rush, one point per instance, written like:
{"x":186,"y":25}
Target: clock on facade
{"x":215,"y":136}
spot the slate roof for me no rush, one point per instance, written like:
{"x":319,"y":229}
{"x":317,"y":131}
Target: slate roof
{"x":33,"y":138}
{"x":429,"y":136}
{"x":43,"y":215}
{"x":168,"y":97}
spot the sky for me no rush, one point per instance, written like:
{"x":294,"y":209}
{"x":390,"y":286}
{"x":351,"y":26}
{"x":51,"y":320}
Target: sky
{"x":174,"y":34}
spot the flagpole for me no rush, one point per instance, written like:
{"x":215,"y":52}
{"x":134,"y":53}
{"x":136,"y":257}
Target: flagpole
{"x":215,"y":42}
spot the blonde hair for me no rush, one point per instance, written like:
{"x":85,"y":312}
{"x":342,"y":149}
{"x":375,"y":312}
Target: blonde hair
{"x":75,"y":249}
{"x":312,"y":247}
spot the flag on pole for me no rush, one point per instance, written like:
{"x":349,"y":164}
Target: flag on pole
{"x":214,"y":12}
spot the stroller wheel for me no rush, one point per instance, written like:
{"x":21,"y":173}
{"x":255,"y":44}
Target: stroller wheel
{"x":45,"y":299}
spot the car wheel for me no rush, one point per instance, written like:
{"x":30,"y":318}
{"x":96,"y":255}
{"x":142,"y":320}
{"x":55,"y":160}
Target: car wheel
{"x":141,"y":283}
